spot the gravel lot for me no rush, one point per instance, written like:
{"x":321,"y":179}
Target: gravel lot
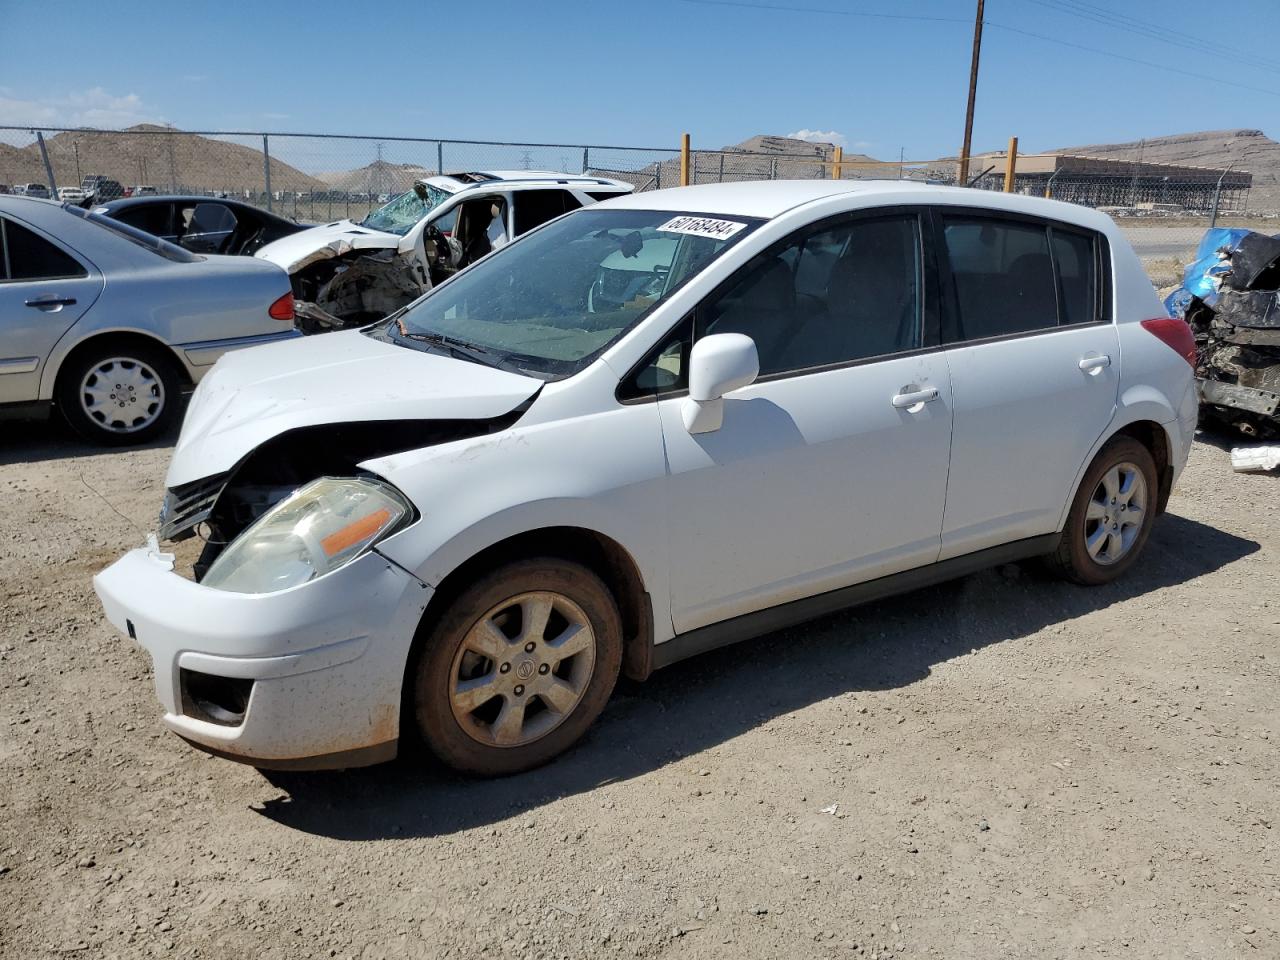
{"x":1003,"y":766}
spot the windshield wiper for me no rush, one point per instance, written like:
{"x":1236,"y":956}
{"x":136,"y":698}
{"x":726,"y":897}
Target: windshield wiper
{"x":462,"y":349}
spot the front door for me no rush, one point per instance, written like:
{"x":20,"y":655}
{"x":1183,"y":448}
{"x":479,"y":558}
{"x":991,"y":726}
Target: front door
{"x":44,"y":289}
{"x":1034,"y":366}
{"x":831,"y":468}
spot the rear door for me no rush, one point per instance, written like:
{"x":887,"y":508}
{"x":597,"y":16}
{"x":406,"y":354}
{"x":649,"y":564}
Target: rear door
{"x":44,"y":289}
{"x":1034,"y":361}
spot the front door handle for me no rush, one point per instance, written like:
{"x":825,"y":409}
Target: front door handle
{"x":1094,"y":363}
{"x":914,"y":398}
{"x":51,"y":303}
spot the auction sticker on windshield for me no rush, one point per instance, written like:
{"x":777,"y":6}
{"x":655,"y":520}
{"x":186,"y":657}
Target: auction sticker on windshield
{"x":703,"y":227}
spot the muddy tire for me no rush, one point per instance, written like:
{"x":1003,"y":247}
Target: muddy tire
{"x":120,"y":394}
{"x":518,"y":667}
{"x":1111,"y":515}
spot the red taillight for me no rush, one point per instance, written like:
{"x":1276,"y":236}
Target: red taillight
{"x":1176,"y":334}
{"x":282,"y":309}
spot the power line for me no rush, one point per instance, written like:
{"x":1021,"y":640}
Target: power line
{"x":1144,"y":63}
{"x":990,"y":23}
{"x":1152,"y":31}
{"x":838,"y":13}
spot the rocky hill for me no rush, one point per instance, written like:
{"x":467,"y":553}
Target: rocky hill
{"x":1249,"y":150}
{"x":154,"y":155}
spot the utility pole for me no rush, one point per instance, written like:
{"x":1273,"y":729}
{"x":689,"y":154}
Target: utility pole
{"x":973,"y":93}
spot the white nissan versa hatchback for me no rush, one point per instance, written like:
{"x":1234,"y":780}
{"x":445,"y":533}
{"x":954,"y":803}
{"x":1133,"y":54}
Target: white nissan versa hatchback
{"x":643,"y":430}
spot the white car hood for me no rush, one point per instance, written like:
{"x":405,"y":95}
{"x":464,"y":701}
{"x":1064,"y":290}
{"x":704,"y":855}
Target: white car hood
{"x":253,"y":395}
{"x":295,"y":251}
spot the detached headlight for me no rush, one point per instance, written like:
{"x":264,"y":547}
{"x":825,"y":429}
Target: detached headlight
{"x":313,"y":531}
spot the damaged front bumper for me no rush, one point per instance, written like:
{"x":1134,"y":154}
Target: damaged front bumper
{"x":306,"y":678}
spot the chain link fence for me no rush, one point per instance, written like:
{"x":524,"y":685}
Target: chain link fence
{"x":1164,"y":209}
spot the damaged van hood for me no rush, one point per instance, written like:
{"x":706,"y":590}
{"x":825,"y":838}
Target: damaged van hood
{"x":328,"y":240}
{"x":253,"y":395}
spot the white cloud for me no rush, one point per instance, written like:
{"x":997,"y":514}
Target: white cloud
{"x":819,"y":136}
{"x":86,"y":108}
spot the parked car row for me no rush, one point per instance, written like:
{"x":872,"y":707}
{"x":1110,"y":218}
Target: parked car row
{"x":644,"y":429}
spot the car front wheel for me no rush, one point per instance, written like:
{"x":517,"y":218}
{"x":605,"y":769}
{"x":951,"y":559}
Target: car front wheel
{"x":518,"y":667}
{"x":1111,"y":515}
{"x":120,"y":394}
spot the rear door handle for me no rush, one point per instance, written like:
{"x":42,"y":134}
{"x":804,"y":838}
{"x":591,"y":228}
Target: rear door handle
{"x":45,"y":303}
{"x":1090,"y":364}
{"x":915,"y":397}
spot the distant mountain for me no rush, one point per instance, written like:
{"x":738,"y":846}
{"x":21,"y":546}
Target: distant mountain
{"x":377,"y":177}
{"x":153,"y":155}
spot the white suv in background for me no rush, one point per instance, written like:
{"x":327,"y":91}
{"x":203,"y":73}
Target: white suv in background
{"x":647,"y":429}
{"x":347,"y":274}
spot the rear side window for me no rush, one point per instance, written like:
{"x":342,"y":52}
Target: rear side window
{"x":536,"y":207}
{"x":1077,"y":265}
{"x":28,"y":256}
{"x":1002,"y":277}
{"x":155,"y":219}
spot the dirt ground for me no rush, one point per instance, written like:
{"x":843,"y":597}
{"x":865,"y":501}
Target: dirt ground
{"x":1003,"y":766}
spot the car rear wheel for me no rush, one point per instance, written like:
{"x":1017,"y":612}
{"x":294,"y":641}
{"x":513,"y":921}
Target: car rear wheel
{"x":1111,"y":515}
{"x":518,"y":667}
{"x":120,"y":394}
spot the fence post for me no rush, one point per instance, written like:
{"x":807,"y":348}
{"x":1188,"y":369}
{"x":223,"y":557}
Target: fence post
{"x":266,"y":170}
{"x":773,"y":169}
{"x":1217,"y":193}
{"x":684,"y":159}
{"x":586,"y":156}
{"x":836,"y":172}
{"x":48,"y":167}
{"x":440,"y":158}
{"x":721,"y":180}
{"x":1048,"y":187}
{"x":1011,"y":165}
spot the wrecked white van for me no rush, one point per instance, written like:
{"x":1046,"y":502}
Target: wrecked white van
{"x":348,"y":273}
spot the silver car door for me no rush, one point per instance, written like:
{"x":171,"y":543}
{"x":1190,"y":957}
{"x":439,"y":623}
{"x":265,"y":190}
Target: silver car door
{"x":44,"y":289}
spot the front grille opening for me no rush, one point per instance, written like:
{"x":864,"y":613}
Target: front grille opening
{"x":220,"y":700}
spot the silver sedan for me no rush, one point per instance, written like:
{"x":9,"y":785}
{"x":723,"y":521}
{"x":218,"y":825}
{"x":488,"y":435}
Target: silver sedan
{"x":110,"y":325}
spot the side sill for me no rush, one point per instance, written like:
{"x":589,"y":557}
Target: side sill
{"x":342,"y":760}
{"x":33,"y":410}
{"x":716,"y":635}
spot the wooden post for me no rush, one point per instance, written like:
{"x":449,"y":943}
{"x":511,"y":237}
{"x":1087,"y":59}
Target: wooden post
{"x":963,"y":178}
{"x":1011,"y":164}
{"x":835,"y":166}
{"x":684,"y":160}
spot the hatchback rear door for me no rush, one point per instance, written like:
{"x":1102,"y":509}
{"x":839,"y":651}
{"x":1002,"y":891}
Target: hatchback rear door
{"x":1034,"y":361}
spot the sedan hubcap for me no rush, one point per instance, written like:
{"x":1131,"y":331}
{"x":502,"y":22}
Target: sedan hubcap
{"x":522,"y":669}
{"x":122,"y":395}
{"x":1116,"y":513}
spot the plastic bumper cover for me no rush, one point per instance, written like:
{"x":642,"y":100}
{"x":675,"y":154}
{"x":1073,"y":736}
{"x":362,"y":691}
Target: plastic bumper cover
{"x":326,"y":658}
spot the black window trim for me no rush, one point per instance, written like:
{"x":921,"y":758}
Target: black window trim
{"x":928,"y":309}
{"x":951,"y":309}
{"x":85,"y":271}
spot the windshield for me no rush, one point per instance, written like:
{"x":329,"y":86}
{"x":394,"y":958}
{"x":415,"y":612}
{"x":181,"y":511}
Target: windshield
{"x":551,"y":302}
{"x":404,"y":211}
{"x":163,"y":248}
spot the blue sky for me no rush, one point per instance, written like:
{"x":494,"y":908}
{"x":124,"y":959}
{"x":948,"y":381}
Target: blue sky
{"x":623,"y":73}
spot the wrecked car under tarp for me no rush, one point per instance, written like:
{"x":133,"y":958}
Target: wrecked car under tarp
{"x":1230,"y":296}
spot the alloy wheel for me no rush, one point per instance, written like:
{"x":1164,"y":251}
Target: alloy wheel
{"x":522,"y":669}
{"x":1116,"y":513}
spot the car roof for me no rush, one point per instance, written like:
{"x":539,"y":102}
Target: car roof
{"x":521,"y":180}
{"x":767,"y":199}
